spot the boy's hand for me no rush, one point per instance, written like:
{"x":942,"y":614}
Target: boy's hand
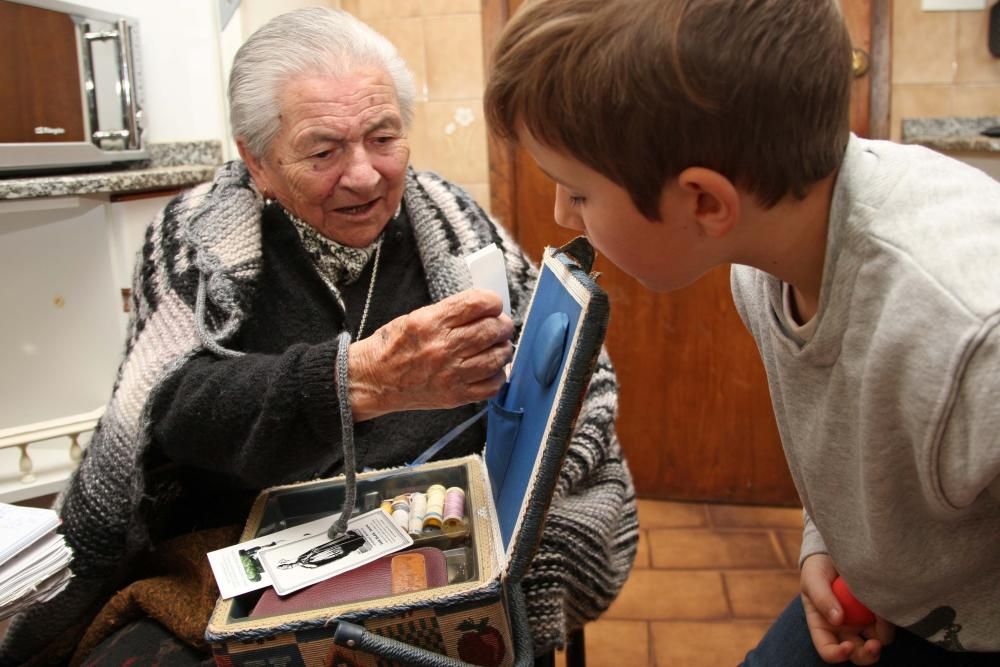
{"x":835,"y":642}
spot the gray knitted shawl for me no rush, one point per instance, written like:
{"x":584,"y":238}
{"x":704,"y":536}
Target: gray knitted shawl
{"x":191,"y":288}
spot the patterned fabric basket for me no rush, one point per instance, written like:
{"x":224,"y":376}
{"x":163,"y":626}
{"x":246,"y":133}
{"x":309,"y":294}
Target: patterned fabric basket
{"x":477,"y":617}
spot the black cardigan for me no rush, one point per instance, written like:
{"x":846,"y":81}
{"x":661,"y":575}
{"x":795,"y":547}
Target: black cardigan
{"x":222,"y":426}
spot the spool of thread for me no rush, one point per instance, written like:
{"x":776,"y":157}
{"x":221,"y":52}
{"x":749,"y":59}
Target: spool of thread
{"x":435,"y":506}
{"x":454,"y":507}
{"x":401,"y":511}
{"x":418,"y":508}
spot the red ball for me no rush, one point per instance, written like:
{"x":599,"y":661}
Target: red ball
{"x":855,"y":613}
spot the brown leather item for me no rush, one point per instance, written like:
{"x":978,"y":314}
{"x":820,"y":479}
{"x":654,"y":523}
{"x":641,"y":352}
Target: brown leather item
{"x":407,"y":571}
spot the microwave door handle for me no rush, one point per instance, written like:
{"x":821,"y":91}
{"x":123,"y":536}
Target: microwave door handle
{"x":126,"y":69}
{"x":90,"y":85}
{"x":126,"y":66}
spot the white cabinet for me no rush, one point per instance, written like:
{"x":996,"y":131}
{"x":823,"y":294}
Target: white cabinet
{"x":61,"y":335}
{"x":63,"y":264}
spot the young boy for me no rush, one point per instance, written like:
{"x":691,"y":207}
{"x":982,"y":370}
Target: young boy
{"x":684,"y":134}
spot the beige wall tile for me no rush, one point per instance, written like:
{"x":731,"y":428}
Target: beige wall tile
{"x":975,"y":63}
{"x":454,"y":56}
{"x":386,"y":9}
{"x":438,"y":7}
{"x":407,"y":34}
{"x":976,"y":100}
{"x":420,"y":151}
{"x":919,"y":101}
{"x":456,"y":140}
{"x":704,"y":644}
{"x":617,"y":643}
{"x":700,"y":549}
{"x":761,"y":595}
{"x":923,"y":44}
{"x":659,"y":594}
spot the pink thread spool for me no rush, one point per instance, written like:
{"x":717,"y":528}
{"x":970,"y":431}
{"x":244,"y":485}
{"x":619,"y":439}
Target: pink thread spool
{"x":454,"y":507}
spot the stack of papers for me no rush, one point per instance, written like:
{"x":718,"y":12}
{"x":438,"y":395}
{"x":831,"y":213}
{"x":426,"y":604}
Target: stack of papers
{"x":34,"y":559}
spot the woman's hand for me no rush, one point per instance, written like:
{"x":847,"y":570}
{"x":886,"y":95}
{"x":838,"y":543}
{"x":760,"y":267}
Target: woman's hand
{"x":835,"y":642}
{"x":440,"y":356}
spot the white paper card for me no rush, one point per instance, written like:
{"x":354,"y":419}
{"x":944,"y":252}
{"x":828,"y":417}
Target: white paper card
{"x":488,"y":271}
{"x":20,"y":526}
{"x":237,"y":569}
{"x":295,"y":565}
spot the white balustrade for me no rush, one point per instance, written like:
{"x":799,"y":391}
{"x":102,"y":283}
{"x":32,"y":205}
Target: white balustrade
{"x":44,"y":460}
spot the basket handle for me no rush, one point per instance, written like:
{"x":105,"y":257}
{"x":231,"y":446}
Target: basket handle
{"x":355,"y":637}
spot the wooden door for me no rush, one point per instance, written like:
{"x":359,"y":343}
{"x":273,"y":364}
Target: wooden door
{"x":695,"y":415}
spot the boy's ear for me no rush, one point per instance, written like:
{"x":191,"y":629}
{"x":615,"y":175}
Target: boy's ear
{"x":710,"y":199}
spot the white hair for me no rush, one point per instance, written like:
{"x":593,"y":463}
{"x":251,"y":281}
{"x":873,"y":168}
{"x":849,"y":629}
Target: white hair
{"x":310,"y":40}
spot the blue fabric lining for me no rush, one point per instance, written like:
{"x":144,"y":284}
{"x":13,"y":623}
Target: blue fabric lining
{"x":511,"y":460}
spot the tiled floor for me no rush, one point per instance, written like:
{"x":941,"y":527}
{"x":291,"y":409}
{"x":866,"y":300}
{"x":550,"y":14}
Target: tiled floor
{"x":708,"y":580}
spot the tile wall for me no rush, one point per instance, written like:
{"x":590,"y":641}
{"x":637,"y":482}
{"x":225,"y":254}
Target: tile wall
{"x":941,"y":65}
{"x":442,"y":42}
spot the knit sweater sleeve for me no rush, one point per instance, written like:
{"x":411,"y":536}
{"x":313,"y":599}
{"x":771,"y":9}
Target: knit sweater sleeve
{"x":261,"y":418}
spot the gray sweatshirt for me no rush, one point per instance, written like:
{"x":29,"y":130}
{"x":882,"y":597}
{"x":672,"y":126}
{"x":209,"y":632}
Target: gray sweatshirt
{"x":890,"y":413}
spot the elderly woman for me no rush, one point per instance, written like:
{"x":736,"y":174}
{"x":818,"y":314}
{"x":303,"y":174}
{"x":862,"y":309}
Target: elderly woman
{"x":318,"y":264}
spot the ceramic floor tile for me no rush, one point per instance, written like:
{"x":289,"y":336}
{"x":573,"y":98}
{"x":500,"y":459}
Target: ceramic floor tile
{"x":664,"y":514}
{"x":756,"y":594}
{"x":704,"y":644}
{"x":664,"y":594}
{"x":642,"y":551}
{"x":746,"y":516}
{"x":707,"y":549}
{"x":791,"y":545}
{"x":618,"y":643}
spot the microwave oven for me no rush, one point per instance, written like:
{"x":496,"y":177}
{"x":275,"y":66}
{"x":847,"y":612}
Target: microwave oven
{"x":70,"y":85}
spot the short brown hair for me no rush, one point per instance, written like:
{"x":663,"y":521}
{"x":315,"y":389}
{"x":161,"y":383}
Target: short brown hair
{"x":639,"y":90}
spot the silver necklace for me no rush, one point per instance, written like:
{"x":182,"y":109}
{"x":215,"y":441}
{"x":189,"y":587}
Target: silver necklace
{"x":371,"y":290}
{"x":299,"y":223}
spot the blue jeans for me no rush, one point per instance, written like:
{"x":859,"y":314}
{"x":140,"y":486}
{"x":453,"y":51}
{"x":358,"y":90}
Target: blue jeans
{"x":788,"y":644}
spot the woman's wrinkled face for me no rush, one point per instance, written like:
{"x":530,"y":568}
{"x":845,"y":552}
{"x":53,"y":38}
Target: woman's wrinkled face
{"x":339,"y":160}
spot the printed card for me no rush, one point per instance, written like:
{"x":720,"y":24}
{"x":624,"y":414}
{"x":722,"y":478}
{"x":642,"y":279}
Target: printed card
{"x":237,"y":569}
{"x":295,"y":565}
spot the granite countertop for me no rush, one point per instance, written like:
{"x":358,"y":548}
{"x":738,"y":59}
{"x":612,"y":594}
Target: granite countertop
{"x":170,"y":165}
{"x":959,"y":134}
